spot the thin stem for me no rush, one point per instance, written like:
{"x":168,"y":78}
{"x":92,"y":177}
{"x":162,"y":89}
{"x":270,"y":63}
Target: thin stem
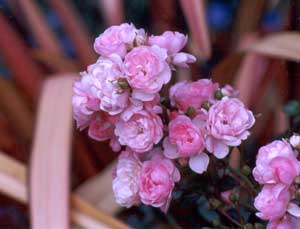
{"x":230,"y":218}
{"x":237,"y":179}
{"x":243,"y":178}
{"x":250,"y":208}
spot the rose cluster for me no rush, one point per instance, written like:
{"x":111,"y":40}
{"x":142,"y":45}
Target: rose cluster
{"x":278,"y":169}
{"x":117,"y":99}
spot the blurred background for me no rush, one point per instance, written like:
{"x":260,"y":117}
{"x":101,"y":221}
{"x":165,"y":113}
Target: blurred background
{"x":252,"y":45}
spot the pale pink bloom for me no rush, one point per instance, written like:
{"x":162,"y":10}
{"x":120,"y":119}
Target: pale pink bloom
{"x":157,"y":180}
{"x":85,"y":102}
{"x":125,"y":182}
{"x":272,"y":201}
{"x":101,"y":128}
{"x":185,"y":138}
{"x":227,"y":125}
{"x":287,"y":222}
{"x":192,"y":94}
{"x":276,"y":163}
{"x":229,"y":91}
{"x":173,"y":42}
{"x":140,"y":130}
{"x":116,"y":39}
{"x":295,"y":141}
{"x":147,"y":71}
{"x":182,"y":59}
{"x":113,"y":98}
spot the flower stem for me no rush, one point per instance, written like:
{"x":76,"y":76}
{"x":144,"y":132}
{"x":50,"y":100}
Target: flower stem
{"x":243,"y":178}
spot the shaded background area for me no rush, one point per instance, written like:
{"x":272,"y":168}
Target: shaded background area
{"x":41,"y":39}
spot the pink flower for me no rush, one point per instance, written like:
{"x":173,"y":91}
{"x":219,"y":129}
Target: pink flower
{"x":116,"y":39}
{"x":85,"y":102}
{"x":272,"y":201}
{"x":284,"y":223}
{"x":157,"y":180}
{"x":147,"y":71}
{"x":101,"y":128}
{"x":229,"y":91}
{"x":185,"y":139}
{"x":113,"y":98}
{"x":227,"y":125}
{"x":140,"y":130}
{"x":185,"y":94}
{"x":173,"y":42}
{"x":182,"y":59}
{"x":125,"y":183}
{"x":276,"y":163}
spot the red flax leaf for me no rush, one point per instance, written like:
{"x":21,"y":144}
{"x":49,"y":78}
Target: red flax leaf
{"x":76,"y":30}
{"x":163,"y":15}
{"x":12,"y":183}
{"x":284,"y":45}
{"x":50,"y":159}
{"x":243,"y":25}
{"x":39,"y":28}
{"x":16,"y":110}
{"x":98,"y":190}
{"x":112,"y":10}
{"x":249,"y":76}
{"x":25,"y":72}
{"x":194,"y":11}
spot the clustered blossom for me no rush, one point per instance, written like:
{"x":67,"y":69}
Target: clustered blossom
{"x":117,"y":99}
{"x":205,"y":121}
{"x":144,"y":181}
{"x":278,"y":169}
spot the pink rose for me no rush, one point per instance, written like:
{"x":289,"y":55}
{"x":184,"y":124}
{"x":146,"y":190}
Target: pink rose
{"x":272,"y":201}
{"x":85,"y":102}
{"x":287,"y":222}
{"x":173,"y":42}
{"x":284,"y":223}
{"x":182,"y":59}
{"x":113,"y":98}
{"x":116,"y":39}
{"x":192,"y":94}
{"x":276,"y":163}
{"x":227,"y":125}
{"x":147,"y":71}
{"x":185,"y":138}
{"x":140,"y":130}
{"x":157,"y":180}
{"x":125,"y":182}
{"x":101,"y":128}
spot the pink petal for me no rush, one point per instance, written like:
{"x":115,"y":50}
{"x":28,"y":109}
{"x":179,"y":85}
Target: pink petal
{"x":170,"y":151}
{"x":182,"y":59}
{"x":199,"y":163}
{"x":216,"y":147}
{"x":293,"y":209}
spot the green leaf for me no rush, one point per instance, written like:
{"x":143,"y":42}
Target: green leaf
{"x":205,"y":212}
